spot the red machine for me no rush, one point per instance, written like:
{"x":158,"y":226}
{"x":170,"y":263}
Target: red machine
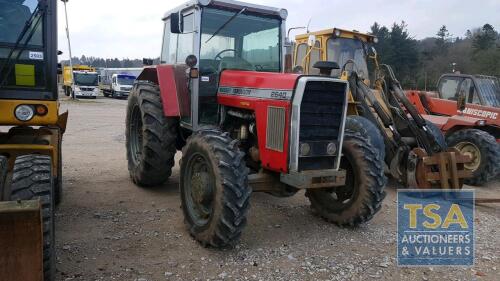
{"x":467,"y":109}
{"x":220,"y":96}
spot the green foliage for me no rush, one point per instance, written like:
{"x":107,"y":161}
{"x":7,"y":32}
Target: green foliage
{"x":420,"y":63}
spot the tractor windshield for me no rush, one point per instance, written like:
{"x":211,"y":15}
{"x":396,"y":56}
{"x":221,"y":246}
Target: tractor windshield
{"x":245,"y":42}
{"x":21,"y":45}
{"x":234,"y":40}
{"x":341,"y":50}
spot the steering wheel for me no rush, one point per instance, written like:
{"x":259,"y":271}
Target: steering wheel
{"x":225,"y":51}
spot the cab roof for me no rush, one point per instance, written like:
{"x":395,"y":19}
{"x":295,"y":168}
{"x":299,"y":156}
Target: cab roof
{"x":230,"y":4}
{"x":344,"y":33}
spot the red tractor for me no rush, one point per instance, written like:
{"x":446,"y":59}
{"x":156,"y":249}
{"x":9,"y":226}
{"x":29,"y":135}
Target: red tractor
{"x":220,"y":95}
{"x":467,"y":109}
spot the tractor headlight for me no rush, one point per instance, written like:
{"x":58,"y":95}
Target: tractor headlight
{"x":331,"y":148}
{"x":305,"y":149}
{"x":24,"y":112}
{"x":375,"y":40}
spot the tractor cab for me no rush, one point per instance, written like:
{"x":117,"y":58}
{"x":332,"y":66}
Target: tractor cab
{"x":217,"y":37}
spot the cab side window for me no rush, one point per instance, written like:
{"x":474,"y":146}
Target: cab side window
{"x":301,"y":53}
{"x":467,"y":87}
{"x":185,"y":40}
{"x":165,"y":50}
{"x":448,"y":88}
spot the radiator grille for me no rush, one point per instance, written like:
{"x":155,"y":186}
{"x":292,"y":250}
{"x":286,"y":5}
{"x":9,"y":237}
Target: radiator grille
{"x":275,"y":134}
{"x":321,"y":119}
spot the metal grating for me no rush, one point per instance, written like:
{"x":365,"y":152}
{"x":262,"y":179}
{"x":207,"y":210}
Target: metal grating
{"x":275,"y":135}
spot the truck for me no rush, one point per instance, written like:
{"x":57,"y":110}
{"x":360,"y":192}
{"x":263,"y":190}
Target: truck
{"x":83,"y":82}
{"x":467,"y":109}
{"x":221,"y":97}
{"x":117,"y":82}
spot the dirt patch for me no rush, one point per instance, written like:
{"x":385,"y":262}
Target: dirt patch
{"x":109,"y":229}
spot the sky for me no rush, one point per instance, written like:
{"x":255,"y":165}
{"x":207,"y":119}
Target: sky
{"x":133,"y":28}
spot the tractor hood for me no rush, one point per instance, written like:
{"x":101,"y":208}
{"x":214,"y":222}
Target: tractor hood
{"x":261,"y":85}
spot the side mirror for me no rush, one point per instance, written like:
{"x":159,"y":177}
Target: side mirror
{"x":176,"y":23}
{"x":311,"y":41}
{"x":461,"y":101}
{"x":59,"y":52}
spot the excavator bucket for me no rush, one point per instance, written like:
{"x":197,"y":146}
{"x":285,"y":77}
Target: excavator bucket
{"x":21,"y":241}
{"x":442,"y":170}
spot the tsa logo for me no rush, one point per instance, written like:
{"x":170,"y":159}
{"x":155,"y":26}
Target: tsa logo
{"x":435,"y":227}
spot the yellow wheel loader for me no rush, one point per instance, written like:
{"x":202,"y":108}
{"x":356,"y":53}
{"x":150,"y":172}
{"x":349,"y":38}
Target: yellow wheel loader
{"x":31,"y":131}
{"x":414,"y":150}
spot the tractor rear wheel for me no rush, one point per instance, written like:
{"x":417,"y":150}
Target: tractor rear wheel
{"x":32,"y":179}
{"x":361,"y":197}
{"x":484,"y":151}
{"x":214,"y":188}
{"x":150,"y":137}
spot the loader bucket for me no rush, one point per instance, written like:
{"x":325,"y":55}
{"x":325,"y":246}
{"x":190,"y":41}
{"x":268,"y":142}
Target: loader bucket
{"x":21,"y":241}
{"x":442,"y":170}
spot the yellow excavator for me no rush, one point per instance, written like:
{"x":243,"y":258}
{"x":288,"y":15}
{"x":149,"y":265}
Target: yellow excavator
{"x":31,"y":131}
{"x":414,"y":150}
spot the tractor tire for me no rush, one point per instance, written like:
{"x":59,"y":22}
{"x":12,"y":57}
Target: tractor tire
{"x":215,"y":193}
{"x":150,"y":137}
{"x":361,"y":198}
{"x":483,"y":149}
{"x":367,"y":128}
{"x":4,"y":169}
{"x":32,"y":179}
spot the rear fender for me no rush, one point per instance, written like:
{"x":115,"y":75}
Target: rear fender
{"x":173,"y":83}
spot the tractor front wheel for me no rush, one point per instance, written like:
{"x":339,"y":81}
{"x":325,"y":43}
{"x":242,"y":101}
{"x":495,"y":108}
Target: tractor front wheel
{"x":484,"y":151}
{"x":214,"y":188}
{"x":361,"y":197}
{"x":150,"y":137}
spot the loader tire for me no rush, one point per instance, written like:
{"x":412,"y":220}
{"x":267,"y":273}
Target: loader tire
{"x":150,"y":137}
{"x":4,"y":168}
{"x":438,"y":135}
{"x":367,"y":128}
{"x":361,"y":198}
{"x":215,"y":193}
{"x":484,"y":151}
{"x":32,"y":179}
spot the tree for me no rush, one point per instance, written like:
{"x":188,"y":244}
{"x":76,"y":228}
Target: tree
{"x":485,"y":38}
{"x":443,"y":40}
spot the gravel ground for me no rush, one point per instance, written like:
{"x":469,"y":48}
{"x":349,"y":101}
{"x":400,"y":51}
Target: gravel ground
{"x":109,"y":229}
